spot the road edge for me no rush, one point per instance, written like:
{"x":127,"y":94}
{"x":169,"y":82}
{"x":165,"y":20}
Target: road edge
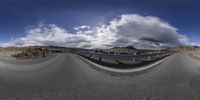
{"x":194,"y":56}
{"x":134,"y":70}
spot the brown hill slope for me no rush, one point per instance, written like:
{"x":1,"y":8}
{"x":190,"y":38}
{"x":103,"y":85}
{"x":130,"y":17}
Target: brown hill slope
{"x":183,"y":48}
{"x":128,"y":49}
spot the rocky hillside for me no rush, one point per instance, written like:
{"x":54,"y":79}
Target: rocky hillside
{"x":183,"y":48}
{"x":127,"y":49}
{"x":7,"y":52}
{"x":33,"y":53}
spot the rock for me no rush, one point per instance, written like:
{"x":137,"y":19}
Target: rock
{"x":33,"y":53}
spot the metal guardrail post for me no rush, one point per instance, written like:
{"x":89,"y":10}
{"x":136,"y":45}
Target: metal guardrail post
{"x":149,"y":57}
{"x":158,"y":56}
{"x":100,"y":58}
{"x":133,"y":59}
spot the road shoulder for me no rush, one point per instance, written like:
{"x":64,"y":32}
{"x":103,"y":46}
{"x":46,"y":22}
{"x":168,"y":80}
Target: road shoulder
{"x":121,"y":71}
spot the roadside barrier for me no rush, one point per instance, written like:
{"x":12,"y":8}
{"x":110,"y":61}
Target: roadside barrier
{"x":123,"y":59}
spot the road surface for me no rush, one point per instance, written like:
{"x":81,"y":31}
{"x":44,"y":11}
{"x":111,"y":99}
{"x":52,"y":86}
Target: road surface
{"x":66,"y":77}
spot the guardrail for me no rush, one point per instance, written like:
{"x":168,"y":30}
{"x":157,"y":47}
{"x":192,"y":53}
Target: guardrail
{"x":125,"y":60}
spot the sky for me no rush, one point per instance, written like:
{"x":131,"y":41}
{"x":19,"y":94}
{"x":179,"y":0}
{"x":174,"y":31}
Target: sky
{"x":100,"y":23}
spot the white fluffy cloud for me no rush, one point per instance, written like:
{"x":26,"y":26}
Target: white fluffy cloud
{"x":51,"y":35}
{"x":128,"y":29}
{"x":148,"y":31}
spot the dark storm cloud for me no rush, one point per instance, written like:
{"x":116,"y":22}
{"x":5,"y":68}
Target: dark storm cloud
{"x":150,"y":40}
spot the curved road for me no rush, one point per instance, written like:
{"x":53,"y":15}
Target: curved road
{"x":66,"y":77}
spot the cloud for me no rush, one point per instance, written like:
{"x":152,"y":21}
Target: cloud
{"x":127,"y":29}
{"x":195,"y":43}
{"x":82,"y":27}
{"x":50,"y":35}
{"x":145,"y":31}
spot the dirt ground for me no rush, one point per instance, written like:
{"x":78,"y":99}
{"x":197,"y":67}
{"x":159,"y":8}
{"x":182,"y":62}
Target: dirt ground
{"x":8,"y":53}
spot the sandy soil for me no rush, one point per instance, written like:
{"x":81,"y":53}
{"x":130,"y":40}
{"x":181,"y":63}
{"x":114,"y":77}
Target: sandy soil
{"x":7,"y":54}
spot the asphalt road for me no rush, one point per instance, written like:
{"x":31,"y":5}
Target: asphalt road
{"x":66,"y":77}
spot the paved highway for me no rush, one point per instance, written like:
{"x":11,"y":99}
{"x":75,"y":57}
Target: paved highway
{"x":66,"y":77}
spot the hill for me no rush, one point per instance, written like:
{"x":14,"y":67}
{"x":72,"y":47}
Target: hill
{"x":128,"y":49}
{"x":185,"y":48}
